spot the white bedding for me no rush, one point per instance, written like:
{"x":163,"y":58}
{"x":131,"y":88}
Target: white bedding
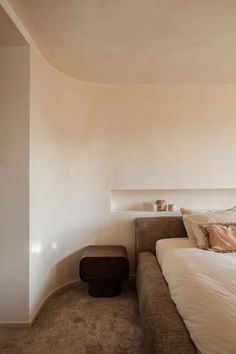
{"x":203,"y":286}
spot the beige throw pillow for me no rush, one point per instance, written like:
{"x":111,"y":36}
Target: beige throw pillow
{"x":222,"y":238}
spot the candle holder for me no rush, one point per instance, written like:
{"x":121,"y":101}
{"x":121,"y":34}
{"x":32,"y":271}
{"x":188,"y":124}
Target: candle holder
{"x":161,"y":205}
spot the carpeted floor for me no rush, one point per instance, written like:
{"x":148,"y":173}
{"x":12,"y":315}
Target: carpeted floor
{"x":73,"y":322}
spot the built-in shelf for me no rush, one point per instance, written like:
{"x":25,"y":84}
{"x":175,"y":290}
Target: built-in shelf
{"x":139,"y":201}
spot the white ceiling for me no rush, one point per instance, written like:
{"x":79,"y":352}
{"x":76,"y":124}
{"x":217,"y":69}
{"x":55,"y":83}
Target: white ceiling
{"x":136,"y":41}
{"x":9,"y":34}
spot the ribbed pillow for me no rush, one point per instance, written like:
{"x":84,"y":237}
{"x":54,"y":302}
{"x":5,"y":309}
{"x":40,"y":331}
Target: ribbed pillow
{"x":221,"y":238}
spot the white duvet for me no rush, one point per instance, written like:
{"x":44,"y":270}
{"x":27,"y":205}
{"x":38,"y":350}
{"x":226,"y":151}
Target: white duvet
{"x":203,"y":286}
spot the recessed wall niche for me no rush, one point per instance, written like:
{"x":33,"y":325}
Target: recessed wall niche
{"x":141,"y":200}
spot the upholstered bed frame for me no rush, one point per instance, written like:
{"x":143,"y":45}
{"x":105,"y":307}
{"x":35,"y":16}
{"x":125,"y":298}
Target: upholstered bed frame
{"x":163,"y":328}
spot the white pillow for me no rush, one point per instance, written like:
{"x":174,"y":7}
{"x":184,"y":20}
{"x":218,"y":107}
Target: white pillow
{"x":187,"y":223}
{"x":194,"y":223}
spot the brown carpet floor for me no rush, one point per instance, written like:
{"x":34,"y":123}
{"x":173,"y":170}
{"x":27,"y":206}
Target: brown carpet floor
{"x":73,"y":322}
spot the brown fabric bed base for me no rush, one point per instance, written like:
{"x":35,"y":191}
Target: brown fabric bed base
{"x":163,"y":328}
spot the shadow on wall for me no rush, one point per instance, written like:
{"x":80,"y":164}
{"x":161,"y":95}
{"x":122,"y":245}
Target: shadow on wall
{"x":68,"y":268}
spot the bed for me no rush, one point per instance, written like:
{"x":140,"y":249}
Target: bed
{"x":201,"y":284}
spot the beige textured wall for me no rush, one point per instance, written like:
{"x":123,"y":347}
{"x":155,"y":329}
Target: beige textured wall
{"x":14,"y":184}
{"x":87,"y":139}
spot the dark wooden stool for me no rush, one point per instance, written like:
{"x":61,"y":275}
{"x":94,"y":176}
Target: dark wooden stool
{"x":104,"y":267}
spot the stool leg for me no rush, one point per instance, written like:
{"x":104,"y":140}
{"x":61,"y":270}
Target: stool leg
{"x":104,"y":288}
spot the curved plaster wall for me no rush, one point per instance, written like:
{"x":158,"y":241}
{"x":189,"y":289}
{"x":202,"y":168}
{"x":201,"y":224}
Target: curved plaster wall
{"x":136,"y":41}
{"x":86,"y":139}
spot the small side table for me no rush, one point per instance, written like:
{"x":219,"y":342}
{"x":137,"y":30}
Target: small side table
{"x":104,"y":267}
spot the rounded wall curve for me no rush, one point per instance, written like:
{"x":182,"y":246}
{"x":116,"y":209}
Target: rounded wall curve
{"x":86,"y":139}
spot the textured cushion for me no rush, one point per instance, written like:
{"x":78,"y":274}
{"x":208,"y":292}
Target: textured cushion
{"x":221,"y":238}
